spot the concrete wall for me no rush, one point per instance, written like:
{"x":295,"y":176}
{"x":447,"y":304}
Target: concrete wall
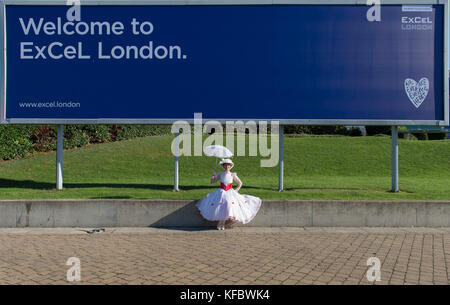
{"x":183,"y":213}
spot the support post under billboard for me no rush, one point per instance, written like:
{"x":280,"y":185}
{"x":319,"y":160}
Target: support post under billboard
{"x":59,"y":157}
{"x":177,"y":152}
{"x":280,"y":158}
{"x":394,"y":159}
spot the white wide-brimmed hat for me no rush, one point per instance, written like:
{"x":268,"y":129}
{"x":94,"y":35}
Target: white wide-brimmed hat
{"x":226,"y":161}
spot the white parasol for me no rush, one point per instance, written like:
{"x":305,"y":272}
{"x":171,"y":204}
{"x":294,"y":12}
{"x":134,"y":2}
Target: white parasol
{"x":217,"y":151}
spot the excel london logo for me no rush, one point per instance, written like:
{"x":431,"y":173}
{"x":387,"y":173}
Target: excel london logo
{"x":417,"y":23}
{"x":414,"y":18}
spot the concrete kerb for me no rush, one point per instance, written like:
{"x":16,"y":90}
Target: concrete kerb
{"x":183,"y":213}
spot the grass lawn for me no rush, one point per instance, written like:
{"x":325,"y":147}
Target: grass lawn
{"x":315,"y":168}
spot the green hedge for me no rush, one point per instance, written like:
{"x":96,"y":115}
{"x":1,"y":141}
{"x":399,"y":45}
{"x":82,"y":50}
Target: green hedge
{"x":312,"y":129}
{"x":374,"y":130}
{"x":318,"y":129}
{"x":436,"y":136}
{"x":16,"y":141}
{"x":296,"y":129}
{"x":124,"y":132}
{"x":420,"y":135}
{"x":354,"y":132}
{"x":75,"y":136}
{"x":43,"y":137}
{"x":97,"y":133}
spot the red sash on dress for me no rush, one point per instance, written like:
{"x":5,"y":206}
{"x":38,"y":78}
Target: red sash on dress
{"x":226,"y":187}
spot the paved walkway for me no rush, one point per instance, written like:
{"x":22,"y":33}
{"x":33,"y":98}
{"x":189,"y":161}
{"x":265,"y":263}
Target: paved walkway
{"x":241,"y":255}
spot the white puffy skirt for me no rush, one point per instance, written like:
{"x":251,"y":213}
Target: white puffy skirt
{"x":224,"y":205}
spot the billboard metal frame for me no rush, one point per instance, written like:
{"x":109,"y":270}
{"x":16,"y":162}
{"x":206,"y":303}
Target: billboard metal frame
{"x":3,"y":74}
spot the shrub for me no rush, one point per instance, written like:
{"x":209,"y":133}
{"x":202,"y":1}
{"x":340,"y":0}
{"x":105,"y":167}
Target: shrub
{"x":316,"y":129}
{"x":43,"y":138}
{"x":114,"y":131}
{"x":157,"y":130}
{"x":436,"y":136}
{"x":354,"y":132}
{"x":373,"y":130}
{"x":75,"y":136}
{"x":14,"y":141}
{"x":328,"y":129}
{"x":421,"y":135}
{"x":297,"y":129}
{"x":97,"y":133}
{"x":133,"y":131}
{"x":17,"y":141}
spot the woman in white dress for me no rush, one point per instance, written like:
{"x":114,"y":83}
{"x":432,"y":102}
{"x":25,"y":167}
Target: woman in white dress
{"x":226,"y":203}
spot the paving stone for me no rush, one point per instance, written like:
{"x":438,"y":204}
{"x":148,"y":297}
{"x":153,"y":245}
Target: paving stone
{"x":261,"y":256}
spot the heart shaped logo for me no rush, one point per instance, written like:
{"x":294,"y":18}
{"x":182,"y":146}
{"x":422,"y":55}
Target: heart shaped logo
{"x":417,"y":91}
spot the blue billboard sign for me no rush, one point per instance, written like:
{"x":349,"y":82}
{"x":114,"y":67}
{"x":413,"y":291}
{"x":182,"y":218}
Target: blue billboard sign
{"x":296,"y":63}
